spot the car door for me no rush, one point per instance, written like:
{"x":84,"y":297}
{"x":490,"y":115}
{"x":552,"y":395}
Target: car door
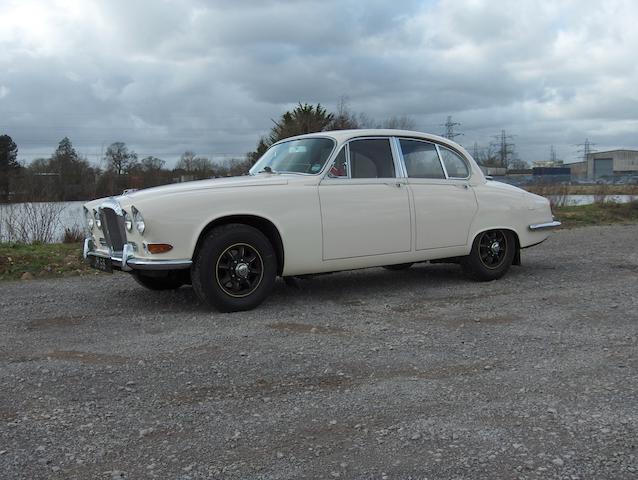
{"x":365,"y":207}
{"x":444,"y":202}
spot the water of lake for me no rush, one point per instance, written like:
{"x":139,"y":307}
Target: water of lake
{"x":69,"y":215}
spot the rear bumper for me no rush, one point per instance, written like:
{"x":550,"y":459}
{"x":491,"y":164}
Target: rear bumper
{"x":127,"y":261}
{"x":544,"y":226}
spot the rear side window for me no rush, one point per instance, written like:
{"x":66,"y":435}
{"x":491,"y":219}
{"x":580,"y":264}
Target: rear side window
{"x":371,"y":158}
{"x":454,"y":164}
{"x":421,"y":159}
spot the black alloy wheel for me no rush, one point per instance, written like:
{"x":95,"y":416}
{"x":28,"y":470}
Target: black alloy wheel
{"x":235,"y":268}
{"x":493,"y":249}
{"x":491,"y":256}
{"x":239,"y":270}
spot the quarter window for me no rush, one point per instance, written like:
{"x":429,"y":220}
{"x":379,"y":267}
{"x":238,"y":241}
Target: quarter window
{"x":371,"y":158}
{"x":339,"y":168}
{"x":421,"y":159}
{"x":454,"y":164}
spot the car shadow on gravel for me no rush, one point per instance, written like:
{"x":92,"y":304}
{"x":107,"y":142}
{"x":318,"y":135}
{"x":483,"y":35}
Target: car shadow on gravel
{"x":349,"y":288}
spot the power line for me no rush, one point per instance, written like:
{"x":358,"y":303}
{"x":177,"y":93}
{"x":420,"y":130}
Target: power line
{"x":505,"y":148}
{"x":586,"y":149}
{"x":449,"y":128}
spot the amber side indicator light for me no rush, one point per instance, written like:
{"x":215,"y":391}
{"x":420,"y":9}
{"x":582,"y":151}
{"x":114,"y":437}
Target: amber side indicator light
{"x":159,"y":247}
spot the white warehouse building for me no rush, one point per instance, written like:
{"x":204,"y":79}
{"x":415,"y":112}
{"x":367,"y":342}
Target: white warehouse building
{"x":612,"y":163}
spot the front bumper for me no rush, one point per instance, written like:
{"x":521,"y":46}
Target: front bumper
{"x":127,"y":261}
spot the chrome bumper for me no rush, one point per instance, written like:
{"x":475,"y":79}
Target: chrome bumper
{"x":544,"y":226}
{"x":127,"y":261}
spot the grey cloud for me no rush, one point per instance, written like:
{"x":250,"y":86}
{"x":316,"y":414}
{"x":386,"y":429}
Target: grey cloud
{"x":209,"y":76}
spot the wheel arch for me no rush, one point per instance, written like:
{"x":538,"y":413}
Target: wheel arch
{"x":262,"y":224}
{"x":517,"y":251}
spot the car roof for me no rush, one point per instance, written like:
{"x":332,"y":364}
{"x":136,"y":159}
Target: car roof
{"x":344,"y":135}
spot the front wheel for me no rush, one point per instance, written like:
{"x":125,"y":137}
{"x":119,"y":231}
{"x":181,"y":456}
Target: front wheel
{"x":235,"y":268}
{"x":491,"y":255}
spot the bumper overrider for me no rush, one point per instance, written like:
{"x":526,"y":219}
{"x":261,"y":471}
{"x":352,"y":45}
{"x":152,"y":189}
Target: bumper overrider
{"x":121,"y":254}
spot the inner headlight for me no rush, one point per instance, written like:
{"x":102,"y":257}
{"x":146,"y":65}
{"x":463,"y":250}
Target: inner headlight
{"x":128,"y":222}
{"x":138,"y":220}
{"x":89,"y":219}
{"x":98,"y":222}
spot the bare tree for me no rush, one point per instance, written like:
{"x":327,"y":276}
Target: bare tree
{"x":119,"y":158}
{"x":402,"y":122}
{"x":30,"y":222}
{"x":344,"y":119}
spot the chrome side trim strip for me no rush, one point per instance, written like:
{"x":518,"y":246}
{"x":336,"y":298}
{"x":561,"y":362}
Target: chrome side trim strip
{"x":542,"y":226}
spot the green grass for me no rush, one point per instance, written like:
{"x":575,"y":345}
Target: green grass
{"x":597,"y":214}
{"x":41,"y":260}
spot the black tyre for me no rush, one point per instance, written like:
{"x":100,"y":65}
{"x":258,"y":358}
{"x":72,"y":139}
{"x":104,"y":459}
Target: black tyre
{"x":398,"y":266}
{"x":162,"y":280}
{"x":491,"y":256}
{"x":235,"y":268}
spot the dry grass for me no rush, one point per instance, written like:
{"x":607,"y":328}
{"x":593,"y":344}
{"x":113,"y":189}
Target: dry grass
{"x":41,"y":261}
{"x":607,"y":213}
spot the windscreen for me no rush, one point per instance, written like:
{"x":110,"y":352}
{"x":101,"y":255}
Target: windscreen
{"x":306,"y":155}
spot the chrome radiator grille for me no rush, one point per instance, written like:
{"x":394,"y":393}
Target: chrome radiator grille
{"x":113,"y":228}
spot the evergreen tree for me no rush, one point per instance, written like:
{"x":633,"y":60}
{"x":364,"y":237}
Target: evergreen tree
{"x":8,"y":165}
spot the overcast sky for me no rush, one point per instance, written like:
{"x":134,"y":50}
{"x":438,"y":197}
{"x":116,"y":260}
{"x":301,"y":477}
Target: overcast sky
{"x":208,"y":76}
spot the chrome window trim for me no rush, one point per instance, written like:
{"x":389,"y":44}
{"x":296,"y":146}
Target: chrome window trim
{"x":394,"y":159}
{"x":346,"y":144}
{"x":438,"y":154}
{"x":398,"y":153}
{"x":320,"y":172}
{"x":469,"y":170}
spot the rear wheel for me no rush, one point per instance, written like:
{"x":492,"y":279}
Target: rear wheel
{"x":491,"y":256}
{"x":235,"y":268}
{"x":162,"y":280}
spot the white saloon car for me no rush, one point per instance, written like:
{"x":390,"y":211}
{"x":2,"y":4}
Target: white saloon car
{"x":318,"y":203}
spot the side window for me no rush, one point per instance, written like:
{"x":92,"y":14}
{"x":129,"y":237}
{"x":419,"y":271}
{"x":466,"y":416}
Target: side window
{"x":371,"y":158}
{"x":421,"y":159}
{"x":339,"y":168}
{"x":454,"y":164}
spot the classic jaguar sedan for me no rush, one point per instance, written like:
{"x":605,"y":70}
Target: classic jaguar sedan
{"x":318,"y":203}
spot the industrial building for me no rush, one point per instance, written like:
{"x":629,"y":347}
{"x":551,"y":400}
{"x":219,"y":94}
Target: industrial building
{"x":612,"y":163}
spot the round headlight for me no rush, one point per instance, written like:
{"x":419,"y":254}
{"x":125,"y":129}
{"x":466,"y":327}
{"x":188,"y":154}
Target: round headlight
{"x":89,"y":219}
{"x":128,"y":222}
{"x":98,"y":222}
{"x":138,"y":220}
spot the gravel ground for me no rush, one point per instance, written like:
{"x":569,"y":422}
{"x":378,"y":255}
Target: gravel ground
{"x":369,"y":374}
